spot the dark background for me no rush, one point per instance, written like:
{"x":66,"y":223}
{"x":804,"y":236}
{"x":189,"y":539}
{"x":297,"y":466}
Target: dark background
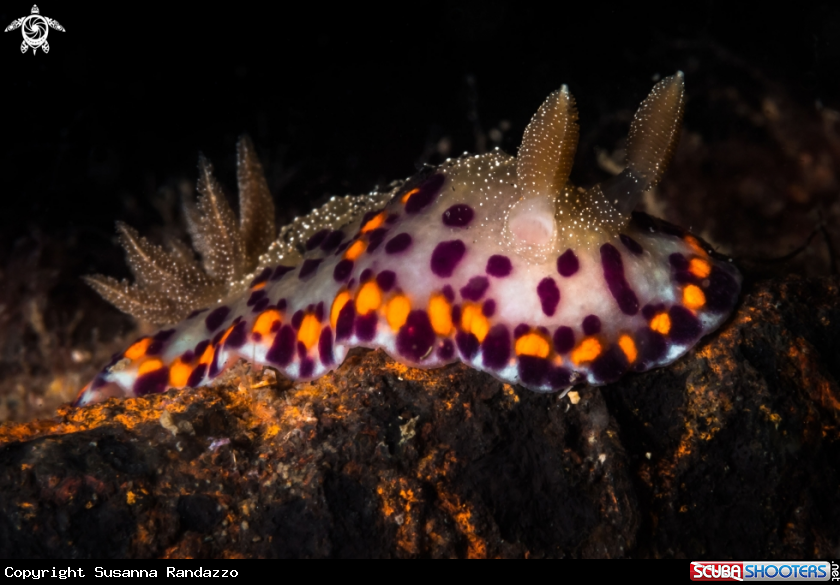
{"x":341,"y":98}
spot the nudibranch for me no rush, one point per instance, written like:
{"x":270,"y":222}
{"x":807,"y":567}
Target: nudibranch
{"x":490,"y":259}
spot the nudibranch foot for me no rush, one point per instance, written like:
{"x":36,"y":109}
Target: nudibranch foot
{"x":492,"y":260}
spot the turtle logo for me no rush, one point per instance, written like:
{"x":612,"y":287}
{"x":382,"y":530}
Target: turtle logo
{"x":35,"y":29}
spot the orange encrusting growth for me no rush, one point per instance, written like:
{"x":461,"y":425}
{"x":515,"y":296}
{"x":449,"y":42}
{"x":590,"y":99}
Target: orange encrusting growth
{"x":138,"y":349}
{"x":310,"y":329}
{"x":396,"y":311}
{"x":474,"y":321}
{"x":628,"y":346}
{"x":693,"y":297}
{"x":588,"y":350}
{"x":661,"y":323}
{"x":341,"y":299}
{"x":440,"y":314}
{"x":533,"y":344}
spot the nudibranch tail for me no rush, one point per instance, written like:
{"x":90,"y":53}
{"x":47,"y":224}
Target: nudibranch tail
{"x":488,"y":259}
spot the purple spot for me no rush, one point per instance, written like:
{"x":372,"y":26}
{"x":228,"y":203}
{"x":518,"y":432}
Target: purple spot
{"x":344,"y":323}
{"x":217,"y":337}
{"x":153,"y":382}
{"x":297,"y":319}
{"x":651,"y":345}
{"x":448,"y":293}
{"x":446,"y":350}
{"x":475,"y":288}
{"x":200,"y":347}
{"x":488,"y":309}
{"x":317,"y":239}
{"x":684,"y":325}
{"x":367,"y":274}
{"x":722,"y":292}
{"x":262,"y":277}
{"x":187,"y":356}
{"x":301,"y":350}
{"x":256,"y":296}
{"x":416,"y":337}
{"x":195,"y":313}
{"x":309,"y":267}
{"x":591,"y":325}
{"x":319,"y":311}
{"x":325,"y":347}
{"x":427,"y":193}
{"x":256,"y":337}
{"x":521,"y":330}
{"x":564,"y":339}
{"x":498,"y":266}
{"x":651,"y":311}
{"x":455,"y":313}
{"x":678,"y":261}
{"x":216,"y":318}
{"x":559,"y":378}
{"x":281,"y":305}
{"x":549,"y":295}
{"x":392,"y":218}
{"x":385,"y":280}
{"x":164,"y":334}
{"x":343,"y":247}
{"x":332,"y":240}
{"x":343,"y":270}
{"x":375,"y":239}
{"x":306,"y":367}
{"x":283,"y":348}
{"x":197,"y":375}
{"x":280,"y":272}
{"x":261,"y":305}
{"x":631,"y":244}
{"x":495,"y":349}
{"x":446,"y":257}
{"x":237,"y":336}
{"x":618,"y":285}
{"x":567,"y":263}
{"x":155,"y":347}
{"x":458,"y":215}
{"x":533,"y":370}
{"x":366,"y":326}
{"x":467,"y":344}
{"x":398,"y":243}
{"x":610,"y":365}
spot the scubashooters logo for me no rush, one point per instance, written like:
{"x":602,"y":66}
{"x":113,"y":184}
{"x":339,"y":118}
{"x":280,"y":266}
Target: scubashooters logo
{"x":35,"y":29}
{"x":761,"y":571}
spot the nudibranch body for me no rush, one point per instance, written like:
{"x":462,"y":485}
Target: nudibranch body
{"x":490,"y":259}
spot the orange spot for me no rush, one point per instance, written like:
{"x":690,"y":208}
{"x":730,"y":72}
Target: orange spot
{"x":207,"y":356}
{"x":440,"y":314}
{"x":693,"y":297}
{"x":587,"y":351}
{"x":408,"y":195}
{"x":225,"y":336}
{"x":397,"y":310}
{"x":355,"y":250}
{"x":699,"y":267}
{"x":695,"y":245}
{"x":309,"y":331}
{"x":373,"y":223}
{"x":149,"y":366}
{"x":139,"y":348}
{"x":628,"y":346}
{"x":258,"y":286}
{"x":533,"y":344}
{"x":474,"y":321}
{"x":179,"y":373}
{"x":266,"y":321}
{"x":661,"y":323}
{"x":341,"y":299}
{"x":369,"y":298}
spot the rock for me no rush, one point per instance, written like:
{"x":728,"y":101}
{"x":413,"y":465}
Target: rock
{"x":732,"y":452}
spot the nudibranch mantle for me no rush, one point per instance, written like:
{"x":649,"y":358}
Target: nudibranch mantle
{"x":490,"y":259}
